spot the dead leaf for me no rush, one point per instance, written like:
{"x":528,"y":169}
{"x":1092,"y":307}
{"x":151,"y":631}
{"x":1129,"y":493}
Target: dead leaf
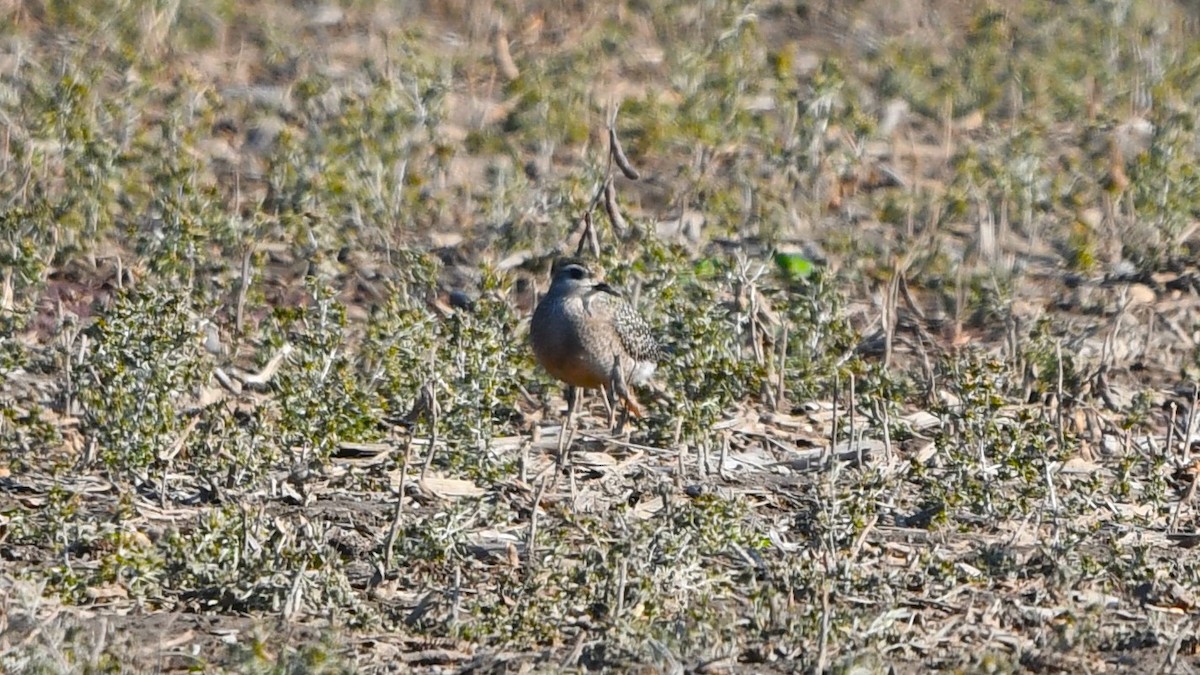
{"x":449,"y":488}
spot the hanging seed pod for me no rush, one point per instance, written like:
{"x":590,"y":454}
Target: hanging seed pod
{"x":614,"y":212}
{"x":503,"y":57}
{"x":619,"y":157}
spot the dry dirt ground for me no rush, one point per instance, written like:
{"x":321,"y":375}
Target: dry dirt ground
{"x":925,"y":268}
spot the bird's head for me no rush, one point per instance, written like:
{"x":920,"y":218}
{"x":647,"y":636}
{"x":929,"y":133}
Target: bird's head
{"x":570,"y":275}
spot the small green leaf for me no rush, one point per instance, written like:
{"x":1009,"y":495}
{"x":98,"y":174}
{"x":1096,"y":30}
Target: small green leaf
{"x":794,"y":265}
{"x":705,"y":268}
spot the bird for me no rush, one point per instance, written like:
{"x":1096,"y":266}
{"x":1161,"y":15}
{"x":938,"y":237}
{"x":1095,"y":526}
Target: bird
{"x":585,"y":333}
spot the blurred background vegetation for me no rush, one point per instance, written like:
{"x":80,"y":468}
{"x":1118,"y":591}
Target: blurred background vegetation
{"x":266,"y":268}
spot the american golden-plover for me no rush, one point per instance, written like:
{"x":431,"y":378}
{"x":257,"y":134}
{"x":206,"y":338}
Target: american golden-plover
{"x":587,"y":335}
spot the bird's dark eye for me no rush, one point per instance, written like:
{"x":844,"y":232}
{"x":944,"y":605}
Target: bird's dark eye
{"x":577,"y":273}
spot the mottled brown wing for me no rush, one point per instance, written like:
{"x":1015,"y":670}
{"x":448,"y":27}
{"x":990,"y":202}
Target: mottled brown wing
{"x":633,"y":331}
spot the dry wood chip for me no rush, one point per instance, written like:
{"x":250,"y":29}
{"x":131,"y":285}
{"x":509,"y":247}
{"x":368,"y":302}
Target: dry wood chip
{"x":448,"y":488}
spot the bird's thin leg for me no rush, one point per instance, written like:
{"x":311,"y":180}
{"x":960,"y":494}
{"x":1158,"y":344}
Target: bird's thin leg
{"x":568,"y":426}
{"x":577,"y":404}
{"x":620,"y":390}
{"x":610,"y":402}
